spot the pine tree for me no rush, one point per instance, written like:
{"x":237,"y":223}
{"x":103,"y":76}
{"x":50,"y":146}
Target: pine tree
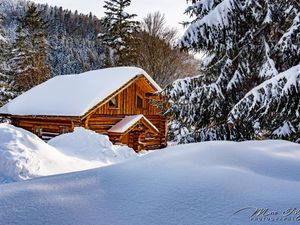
{"x":29,"y":62}
{"x":246,"y":42}
{"x":117,"y":35}
{"x":5,"y":80}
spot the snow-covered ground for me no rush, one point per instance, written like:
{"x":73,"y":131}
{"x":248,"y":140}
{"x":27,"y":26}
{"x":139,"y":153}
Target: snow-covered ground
{"x":204,"y":183}
{"x":23,"y":155}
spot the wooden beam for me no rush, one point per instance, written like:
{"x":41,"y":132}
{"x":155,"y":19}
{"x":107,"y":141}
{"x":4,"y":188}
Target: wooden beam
{"x":87,"y":122}
{"x":58,"y":118}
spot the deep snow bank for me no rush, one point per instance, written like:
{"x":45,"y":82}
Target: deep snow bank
{"x":201,"y":183}
{"x":88,"y":145}
{"x":23,"y":155}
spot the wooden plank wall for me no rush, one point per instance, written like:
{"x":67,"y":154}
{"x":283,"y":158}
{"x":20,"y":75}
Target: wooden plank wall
{"x":102,"y":123}
{"x":161,"y":123}
{"x":50,"y":128}
{"x":127,"y":102}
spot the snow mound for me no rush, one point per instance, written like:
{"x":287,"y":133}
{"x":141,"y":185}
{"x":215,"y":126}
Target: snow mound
{"x":203,"y":183}
{"x":23,"y":155}
{"x":89,"y":145}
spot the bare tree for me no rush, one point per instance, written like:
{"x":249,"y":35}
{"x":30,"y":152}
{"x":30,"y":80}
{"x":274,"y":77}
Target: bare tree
{"x":156,"y":52}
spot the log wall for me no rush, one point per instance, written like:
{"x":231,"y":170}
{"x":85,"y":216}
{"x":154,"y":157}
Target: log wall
{"x":46,"y":128}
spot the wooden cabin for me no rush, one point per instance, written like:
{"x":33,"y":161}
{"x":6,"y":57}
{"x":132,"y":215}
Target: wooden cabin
{"x":113,"y":101}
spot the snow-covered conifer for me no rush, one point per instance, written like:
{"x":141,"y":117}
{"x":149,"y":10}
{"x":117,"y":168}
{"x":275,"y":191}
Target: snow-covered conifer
{"x":5,"y":80}
{"x":29,"y":62}
{"x":118,"y":29}
{"x":246,"y":42}
{"x":274,"y":105}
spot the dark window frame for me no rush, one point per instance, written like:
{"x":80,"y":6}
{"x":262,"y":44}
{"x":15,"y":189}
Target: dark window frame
{"x":139,"y":102}
{"x":112,"y":105}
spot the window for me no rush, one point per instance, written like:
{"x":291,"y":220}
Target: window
{"x":38,"y":131}
{"x":63,"y":130}
{"x":113,"y":102}
{"x":139,"y":102}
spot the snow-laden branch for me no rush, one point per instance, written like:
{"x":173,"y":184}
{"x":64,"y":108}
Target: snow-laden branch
{"x":202,"y":29}
{"x":270,"y":91}
{"x":285,"y":40}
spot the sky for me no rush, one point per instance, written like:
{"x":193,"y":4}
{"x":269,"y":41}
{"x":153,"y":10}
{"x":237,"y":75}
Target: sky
{"x":173,"y":9}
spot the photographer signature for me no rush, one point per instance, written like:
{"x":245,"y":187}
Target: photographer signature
{"x":266,"y":214}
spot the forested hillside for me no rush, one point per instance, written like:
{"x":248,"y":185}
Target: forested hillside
{"x":72,"y":37}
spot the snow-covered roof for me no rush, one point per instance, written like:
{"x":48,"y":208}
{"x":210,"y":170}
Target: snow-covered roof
{"x":128,"y":122}
{"x":73,"y":95}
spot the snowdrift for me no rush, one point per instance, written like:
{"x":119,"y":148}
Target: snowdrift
{"x":203,"y":183}
{"x":23,"y":155}
{"x":88,"y":145}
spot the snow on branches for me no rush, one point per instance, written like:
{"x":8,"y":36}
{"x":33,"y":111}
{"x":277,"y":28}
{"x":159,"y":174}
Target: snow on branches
{"x":118,"y":29}
{"x":280,"y":94}
{"x":250,"y":76}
